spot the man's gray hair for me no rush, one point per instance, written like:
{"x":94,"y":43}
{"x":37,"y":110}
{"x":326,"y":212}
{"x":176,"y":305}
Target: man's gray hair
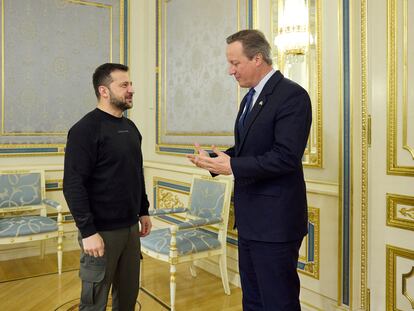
{"x":254,"y":42}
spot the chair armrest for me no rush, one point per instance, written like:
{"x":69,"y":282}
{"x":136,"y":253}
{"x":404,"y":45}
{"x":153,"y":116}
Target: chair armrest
{"x":200,"y":222}
{"x":53,"y":204}
{"x":165,"y":211}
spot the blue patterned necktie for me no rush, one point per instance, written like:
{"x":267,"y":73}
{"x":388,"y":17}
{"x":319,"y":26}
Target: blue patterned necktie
{"x":247,"y":107}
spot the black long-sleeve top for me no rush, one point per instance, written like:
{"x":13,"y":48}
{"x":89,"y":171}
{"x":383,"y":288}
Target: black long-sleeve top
{"x":103,"y":179}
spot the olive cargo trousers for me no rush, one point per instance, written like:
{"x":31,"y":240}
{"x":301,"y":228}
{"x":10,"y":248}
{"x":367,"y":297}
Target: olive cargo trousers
{"x":119,"y":267}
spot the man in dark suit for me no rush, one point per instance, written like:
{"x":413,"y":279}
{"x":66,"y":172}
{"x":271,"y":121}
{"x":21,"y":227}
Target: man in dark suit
{"x":271,"y":133}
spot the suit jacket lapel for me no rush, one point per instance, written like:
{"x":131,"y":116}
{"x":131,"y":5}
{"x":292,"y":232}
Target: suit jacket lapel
{"x":257,"y":108}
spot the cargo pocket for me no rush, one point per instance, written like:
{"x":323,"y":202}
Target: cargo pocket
{"x":91,"y":272}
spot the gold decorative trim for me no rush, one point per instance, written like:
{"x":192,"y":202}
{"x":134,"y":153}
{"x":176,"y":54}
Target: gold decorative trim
{"x":2,"y":68}
{"x":340,"y":148}
{"x":174,"y":182}
{"x":391,"y":297}
{"x":232,"y":232}
{"x":312,"y":267}
{"x":365,"y":120}
{"x":405,"y":293}
{"x":59,"y":183}
{"x":254,"y":14}
{"x":406,"y":146}
{"x":122,"y":20}
{"x":214,"y":134}
{"x":401,"y":218}
{"x":60,"y":150}
{"x":392,"y":64}
{"x":184,"y":146}
{"x":167,"y":199}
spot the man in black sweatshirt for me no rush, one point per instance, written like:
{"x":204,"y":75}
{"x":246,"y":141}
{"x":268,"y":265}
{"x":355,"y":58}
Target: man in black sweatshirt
{"x":104,"y":187}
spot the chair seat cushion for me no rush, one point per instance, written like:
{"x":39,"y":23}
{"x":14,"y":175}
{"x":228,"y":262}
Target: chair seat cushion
{"x":26,"y":225}
{"x":188,"y":241}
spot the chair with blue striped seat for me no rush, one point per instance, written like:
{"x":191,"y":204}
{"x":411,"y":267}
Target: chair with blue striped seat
{"x":202,"y":233}
{"x":23,"y":213}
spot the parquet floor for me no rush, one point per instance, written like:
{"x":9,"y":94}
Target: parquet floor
{"x":61,"y":293}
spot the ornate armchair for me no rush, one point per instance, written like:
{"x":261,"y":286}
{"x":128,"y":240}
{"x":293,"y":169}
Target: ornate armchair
{"x":194,"y":238}
{"x":23,"y":214}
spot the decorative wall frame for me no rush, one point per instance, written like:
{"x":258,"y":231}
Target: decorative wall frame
{"x":365,"y":143}
{"x":46,"y":82}
{"x":196,"y":99}
{"x":400,"y":271}
{"x":400,"y":211}
{"x":400,"y":114}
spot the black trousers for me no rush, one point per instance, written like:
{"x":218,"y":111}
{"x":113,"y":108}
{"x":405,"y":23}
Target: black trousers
{"x":268,"y":275}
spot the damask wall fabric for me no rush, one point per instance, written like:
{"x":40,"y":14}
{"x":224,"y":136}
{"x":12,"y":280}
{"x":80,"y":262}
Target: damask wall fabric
{"x":51,"y":48}
{"x":198,"y":99}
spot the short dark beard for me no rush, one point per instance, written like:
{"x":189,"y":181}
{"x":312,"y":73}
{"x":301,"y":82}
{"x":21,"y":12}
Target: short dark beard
{"x":117,"y":102}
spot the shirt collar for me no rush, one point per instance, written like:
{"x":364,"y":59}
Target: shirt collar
{"x":259,"y":87}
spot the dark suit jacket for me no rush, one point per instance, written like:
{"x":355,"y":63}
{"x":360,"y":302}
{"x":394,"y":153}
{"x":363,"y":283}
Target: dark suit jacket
{"x":269,"y":188}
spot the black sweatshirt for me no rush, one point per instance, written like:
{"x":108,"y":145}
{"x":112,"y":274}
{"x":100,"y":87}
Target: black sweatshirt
{"x":103,"y":180}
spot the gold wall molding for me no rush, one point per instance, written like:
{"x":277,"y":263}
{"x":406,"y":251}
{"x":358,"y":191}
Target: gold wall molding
{"x":168,"y":200}
{"x":393,"y":67}
{"x":309,"y":263}
{"x":231,"y":231}
{"x":365,"y":142}
{"x":405,"y":61}
{"x":393,"y":255}
{"x":400,"y":211}
{"x":406,"y":294}
{"x":169,"y":192}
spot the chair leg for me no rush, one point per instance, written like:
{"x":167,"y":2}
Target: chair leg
{"x":172,"y":286}
{"x":193,"y":270}
{"x":42,"y":249}
{"x":60,"y":252}
{"x":141,"y":268}
{"x":223,"y":272}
